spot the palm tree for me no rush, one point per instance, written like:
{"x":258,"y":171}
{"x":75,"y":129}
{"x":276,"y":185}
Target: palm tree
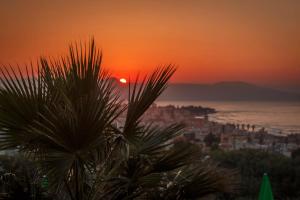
{"x":248,"y":127}
{"x":63,"y":117}
{"x":243,"y":126}
{"x":253,"y":128}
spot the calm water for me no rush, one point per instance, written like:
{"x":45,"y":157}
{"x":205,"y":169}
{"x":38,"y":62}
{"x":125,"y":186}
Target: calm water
{"x":276,"y":117}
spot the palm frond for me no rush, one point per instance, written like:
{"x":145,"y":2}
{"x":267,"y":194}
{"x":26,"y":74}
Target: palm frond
{"x":22,"y":98}
{"x":142,"y":95}
{"x":199,"y":180}
{"x":64,"y":115}
{"x":181,"y":154}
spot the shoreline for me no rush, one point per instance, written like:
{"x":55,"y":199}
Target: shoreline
{"x":232,"y":136}
{"x":276,"y":117}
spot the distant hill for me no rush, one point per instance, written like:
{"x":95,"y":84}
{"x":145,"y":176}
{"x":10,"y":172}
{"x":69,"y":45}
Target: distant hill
{"x":290,"y":89}
{"x":226,"y":91}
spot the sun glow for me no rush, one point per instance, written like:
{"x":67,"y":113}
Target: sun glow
{"x":123,"y":80}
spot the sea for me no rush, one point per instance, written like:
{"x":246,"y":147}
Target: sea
{"x":275,"y":117}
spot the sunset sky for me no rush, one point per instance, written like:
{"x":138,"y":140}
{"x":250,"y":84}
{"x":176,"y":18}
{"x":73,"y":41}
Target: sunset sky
{"x":257,"y":41}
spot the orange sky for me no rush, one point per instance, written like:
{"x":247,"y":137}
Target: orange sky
{"x":251,"y":40}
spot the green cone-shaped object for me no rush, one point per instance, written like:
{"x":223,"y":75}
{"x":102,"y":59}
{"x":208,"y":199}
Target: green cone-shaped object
{"x":265,"y":189}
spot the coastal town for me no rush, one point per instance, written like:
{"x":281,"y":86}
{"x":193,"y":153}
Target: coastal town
{"x":208,"y":134}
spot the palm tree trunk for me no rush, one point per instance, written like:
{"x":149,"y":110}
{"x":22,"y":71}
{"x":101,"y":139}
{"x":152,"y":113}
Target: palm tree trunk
{"x":69,"y":189}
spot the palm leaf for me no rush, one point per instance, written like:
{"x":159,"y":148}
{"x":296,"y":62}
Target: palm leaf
{"x":64,"y":117}
{"x":142,"y":96}
{"x":199,"y":180}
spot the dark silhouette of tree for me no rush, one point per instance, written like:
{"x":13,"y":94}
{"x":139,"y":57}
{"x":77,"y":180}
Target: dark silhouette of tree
{"x":19,"y":179}
{"x":284,"y":172}
{"x":253,"y":128}
{"x":243,"y":126}
{"x":64,"y":118}
{"x":296,"y":153}
{"x":211,"y":140}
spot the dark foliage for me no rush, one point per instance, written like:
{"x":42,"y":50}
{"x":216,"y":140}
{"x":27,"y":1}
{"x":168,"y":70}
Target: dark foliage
{"x":19,"y":179}
{"x":64,"y":118}
{"x":211,"y":140}
{"x":284,"y":172}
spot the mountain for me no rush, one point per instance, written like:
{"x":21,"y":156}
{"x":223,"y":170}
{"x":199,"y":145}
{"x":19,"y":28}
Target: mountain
{"x":290,"y":89}
{"x":226,"y":91}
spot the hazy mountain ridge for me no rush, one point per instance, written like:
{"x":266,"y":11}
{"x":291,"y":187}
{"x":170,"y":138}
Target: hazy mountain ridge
{"x":290,"y":89}
{"x":226,"y":91}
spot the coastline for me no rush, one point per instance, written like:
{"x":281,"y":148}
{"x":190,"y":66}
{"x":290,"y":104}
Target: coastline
{"x":232,"y":136}
{"x":279,"y":118}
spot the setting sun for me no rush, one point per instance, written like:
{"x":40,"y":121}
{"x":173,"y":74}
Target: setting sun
{"x":141,"y":99}
{"x":123,"y":80}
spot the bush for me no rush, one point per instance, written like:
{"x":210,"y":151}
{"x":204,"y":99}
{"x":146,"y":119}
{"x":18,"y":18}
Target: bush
{"x":284,"y":172}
